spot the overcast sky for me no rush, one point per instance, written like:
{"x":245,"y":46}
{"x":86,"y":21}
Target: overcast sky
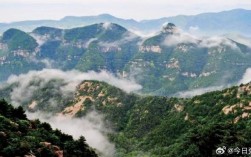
{"x":17,"y":10}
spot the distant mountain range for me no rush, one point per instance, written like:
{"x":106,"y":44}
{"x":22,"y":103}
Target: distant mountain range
{"x":236,"y":21}
{"x":55,"y":61}
{"x":166,"y":63}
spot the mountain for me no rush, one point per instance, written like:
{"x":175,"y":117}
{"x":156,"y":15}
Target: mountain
{"x":65,"y":48}
{"x":175,"y":61}
{"x":240,"y":39}
{"x":26,"y":25}
{"x":159,"y":126}
{"x":22,"y":137}
{"x":168,"y":62}
{"x":232,"y":21}
{"x":17,"y":52}
{"x":43,"y":31}
{"x":80,"y":47}
{"x":68,"y":22}
{"x":87,"y":20}
{"x":16,"y":39}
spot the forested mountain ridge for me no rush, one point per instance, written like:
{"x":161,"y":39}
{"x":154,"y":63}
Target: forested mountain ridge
{"x":169,"y":62}
{"x":103,"y":86}
{"x":159,"y":126}
{"x":22,"y":137}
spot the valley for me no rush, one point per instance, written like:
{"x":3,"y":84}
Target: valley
{"x":173,"y":82}
{"x":150,"y":125}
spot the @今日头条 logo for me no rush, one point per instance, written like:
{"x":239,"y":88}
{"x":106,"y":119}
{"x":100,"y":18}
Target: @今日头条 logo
{"x":220,"y":150}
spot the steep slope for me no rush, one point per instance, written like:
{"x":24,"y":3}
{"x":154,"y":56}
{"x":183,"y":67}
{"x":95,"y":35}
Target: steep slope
{"x":159,"y":63}
{"x":95,"y":47}
{"x":22,"y":137}
{"x":17,"y":53}
{"x":161,"y":126}
{"x":48,"y":97}
{"x":169,"y":62}
{"x":48,"y":31}
{"x":43,"y":34}
{"x":112,"y":49}
{"x":16,"y":39}
{"x":174,"y":61}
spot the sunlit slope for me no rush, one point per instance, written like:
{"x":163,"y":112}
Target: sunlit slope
{"x":158,"y":126}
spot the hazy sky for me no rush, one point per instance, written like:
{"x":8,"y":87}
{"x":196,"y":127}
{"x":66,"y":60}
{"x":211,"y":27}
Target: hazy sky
{"x":16,"y":10}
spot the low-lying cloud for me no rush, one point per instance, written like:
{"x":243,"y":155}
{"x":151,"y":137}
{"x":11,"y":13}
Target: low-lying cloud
{"x":198,"y":91}
{"x":107,"y":25}
{"x":40,"y":40}
{"x":181,"y":37}
{"x":241,"y":39}
{"x":91,"y":126}
{"x":217,"y":41}
{"x":178,"y":38}
{"x":126,"y":37}
{"x":64,"y":83}
{"x":74,"y":77}
{"x":246,"y":77}
{"x":193,"y":29}
{"x":143,"y":34}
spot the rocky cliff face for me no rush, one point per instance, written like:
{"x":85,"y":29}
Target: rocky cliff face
{"x":155,"y":49}
{"x":158,"y":63}
{"x":149,"y":118}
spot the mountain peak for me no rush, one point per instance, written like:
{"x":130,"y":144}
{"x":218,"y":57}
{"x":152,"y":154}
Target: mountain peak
{"x":19,"y":40}
{"x":168,"y":28}
{"x":44,"y":30}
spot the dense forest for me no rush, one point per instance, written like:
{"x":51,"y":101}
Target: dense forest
{"x":150,"y":126}
{"x":22,"y":137}
{"x":167,"y":127}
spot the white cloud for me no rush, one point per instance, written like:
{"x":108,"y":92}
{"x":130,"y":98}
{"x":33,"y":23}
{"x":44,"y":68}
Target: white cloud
{"x":40,"y":40}
{"x":178,"y":38}
{"x":107,"y":25}
{"x":217,"y":41}
{"x":199,"y":91}
{"x":240,"y":39}
{"x":165,"y":24}
{"x":91,"y":126}
{"x":89,"y":42}
{"x":68,"y":80}
{"x":74,"y":77}
{"x":126,"y":37}
{"x":207,"y":42}
{"x":193,"y":28}
{"x":246,"y":77}
{"x":48,"y":63}
{"x":143,"y":34}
